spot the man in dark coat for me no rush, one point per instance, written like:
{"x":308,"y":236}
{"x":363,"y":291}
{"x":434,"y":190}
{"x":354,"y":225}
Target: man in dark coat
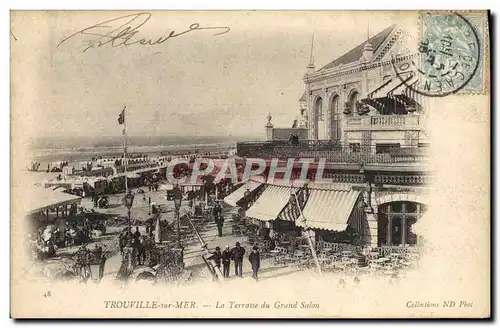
{"x":226,"y":261}
{"x":237,"y":255}
{"x":216,"y":257}
{"x":217,"y":210}
{"x":122,"y":241}
{"x":137,"y":234}
{"x":220,"y":223}
{"x":141,"y":251}
{"x":254,"y":259}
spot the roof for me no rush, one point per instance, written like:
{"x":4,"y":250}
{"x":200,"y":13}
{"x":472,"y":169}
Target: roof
{"x":40,"y":199}
{"x":239,"y":193}
{"x":328,"y":209}
{"x":356,"y":53}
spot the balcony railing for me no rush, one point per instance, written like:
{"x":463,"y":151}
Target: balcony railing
{"x":384,"y":121}
{"x":332,"y":151}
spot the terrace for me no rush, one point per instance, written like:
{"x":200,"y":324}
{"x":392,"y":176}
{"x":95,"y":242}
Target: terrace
{"x":332,"y":151}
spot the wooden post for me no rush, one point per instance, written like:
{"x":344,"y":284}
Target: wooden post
{"x":403,"y":225}
{"x":311,"y":244}
{"x":204,"y":248}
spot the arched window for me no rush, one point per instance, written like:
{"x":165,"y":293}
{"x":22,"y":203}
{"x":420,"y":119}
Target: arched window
{"x":335,"y":111}
{"x":395,"y":221}
{"x":353,"y":99}
{"x":319,"y":109}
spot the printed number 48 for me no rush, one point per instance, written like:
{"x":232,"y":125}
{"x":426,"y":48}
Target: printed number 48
{"x":47,"y":294}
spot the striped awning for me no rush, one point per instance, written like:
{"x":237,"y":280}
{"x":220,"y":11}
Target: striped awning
{"x":237,"y":195}
{"x":329,"y":209}
{"x":269,"y":205}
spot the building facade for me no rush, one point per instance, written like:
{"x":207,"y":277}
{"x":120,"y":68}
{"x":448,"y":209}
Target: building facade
{"x":361,"y":114}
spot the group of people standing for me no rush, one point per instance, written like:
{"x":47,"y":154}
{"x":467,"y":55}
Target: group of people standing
{"x":236,"y":255}
{"x":141,"y":243}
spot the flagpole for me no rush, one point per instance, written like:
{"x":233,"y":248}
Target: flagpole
{"x":311,"y":244}
{"x":125,"y":148}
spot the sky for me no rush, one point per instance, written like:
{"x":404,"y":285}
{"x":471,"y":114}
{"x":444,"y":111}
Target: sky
{"x":194,"y":84}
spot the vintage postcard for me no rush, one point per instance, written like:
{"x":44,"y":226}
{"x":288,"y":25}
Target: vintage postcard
{"x":250,"y":164}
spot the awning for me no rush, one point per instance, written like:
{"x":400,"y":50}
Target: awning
{"x":40,"y":199}
{"x":239,"y":193}
{"x":269,"y":205}
{"x":393,"y":84}
{"x":328,"y":209}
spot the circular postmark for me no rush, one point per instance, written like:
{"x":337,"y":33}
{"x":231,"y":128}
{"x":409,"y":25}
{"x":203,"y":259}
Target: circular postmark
{"x":447,"y":59}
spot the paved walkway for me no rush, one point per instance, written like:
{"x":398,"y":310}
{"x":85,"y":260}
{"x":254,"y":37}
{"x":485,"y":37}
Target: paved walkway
{"x":193,"y":252}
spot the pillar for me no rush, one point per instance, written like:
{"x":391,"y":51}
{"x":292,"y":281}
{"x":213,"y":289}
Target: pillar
{"x":389,"y":230}
{"x":403,"y":230}
{"x":403,"y":225}
{"x":371,"y":231}
{"x":269,"y":128}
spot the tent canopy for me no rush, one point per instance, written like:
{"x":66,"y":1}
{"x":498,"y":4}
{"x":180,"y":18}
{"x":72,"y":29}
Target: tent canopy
{"x":40,"y":199}
{"x":329,"y":209}
{"x":239,"y":193}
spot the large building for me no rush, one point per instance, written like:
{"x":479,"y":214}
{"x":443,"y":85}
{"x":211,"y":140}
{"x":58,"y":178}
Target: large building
{"x":365,"y":120}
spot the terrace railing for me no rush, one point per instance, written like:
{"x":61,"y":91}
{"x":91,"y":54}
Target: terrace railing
{"x":332,"y":151}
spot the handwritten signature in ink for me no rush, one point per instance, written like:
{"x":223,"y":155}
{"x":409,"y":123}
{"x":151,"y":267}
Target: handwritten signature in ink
{"x":123,"y":31}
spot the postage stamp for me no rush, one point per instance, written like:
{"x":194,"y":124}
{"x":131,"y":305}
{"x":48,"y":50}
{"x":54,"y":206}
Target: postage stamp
{"x":451,"y":55}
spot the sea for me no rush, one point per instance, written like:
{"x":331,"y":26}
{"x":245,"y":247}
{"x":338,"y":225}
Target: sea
{"x":76,"y":149}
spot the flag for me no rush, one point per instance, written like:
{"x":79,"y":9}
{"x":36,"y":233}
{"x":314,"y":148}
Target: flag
{"x":292,"y":210}
{"x":121,"y":117}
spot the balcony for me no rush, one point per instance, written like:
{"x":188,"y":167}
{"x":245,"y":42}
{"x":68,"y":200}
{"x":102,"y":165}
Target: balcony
{"x":332,"y":151}
{"x":384,"y":121}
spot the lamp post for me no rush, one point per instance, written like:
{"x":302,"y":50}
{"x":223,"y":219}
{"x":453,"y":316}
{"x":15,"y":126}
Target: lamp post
{"x":128,"y":199}
{"x":177,"y":203}
{"x":97,"y":269}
